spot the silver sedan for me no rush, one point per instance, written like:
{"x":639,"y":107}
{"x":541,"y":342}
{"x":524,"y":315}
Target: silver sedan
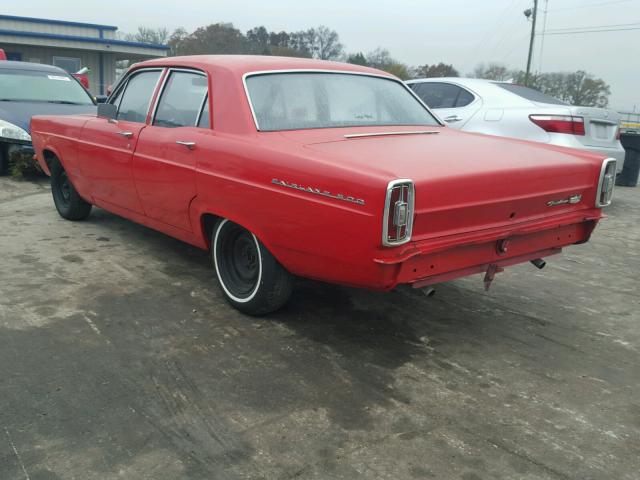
{"x":511,"y":110}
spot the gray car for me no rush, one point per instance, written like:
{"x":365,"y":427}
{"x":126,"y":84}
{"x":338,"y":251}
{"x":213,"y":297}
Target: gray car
{"x":511,"y":110}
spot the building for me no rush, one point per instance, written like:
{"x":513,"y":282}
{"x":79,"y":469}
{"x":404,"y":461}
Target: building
{"x":72,"y":46}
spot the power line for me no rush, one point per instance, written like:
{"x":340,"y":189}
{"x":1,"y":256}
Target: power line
{"x":565,"y":29}
{"x":589,"y":5}
{"x":594,"y":31}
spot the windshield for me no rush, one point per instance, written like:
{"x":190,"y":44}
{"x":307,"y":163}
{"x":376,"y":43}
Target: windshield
{"x":41,"y":86}
{"x":295,"y":101}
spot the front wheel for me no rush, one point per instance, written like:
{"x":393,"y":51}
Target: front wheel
{"x":251,"y":279}
{"x":69,"y":203}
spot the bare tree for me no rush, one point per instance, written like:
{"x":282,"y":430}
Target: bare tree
{"x":436,"y":70}
{"x":159,"y":36}
{"x":492,"y":71}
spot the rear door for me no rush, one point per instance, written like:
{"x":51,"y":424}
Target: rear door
{"x":107,"y":146}
{"x":453,"y":104}
{"x":165,"y":160}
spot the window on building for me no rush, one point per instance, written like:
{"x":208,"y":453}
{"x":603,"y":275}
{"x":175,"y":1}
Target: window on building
{"x":70,"y":64}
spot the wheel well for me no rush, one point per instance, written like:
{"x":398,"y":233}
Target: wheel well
{"x":49,"y":156}
{"x":208,"y":221}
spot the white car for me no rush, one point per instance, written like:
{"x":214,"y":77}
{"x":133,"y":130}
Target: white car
{"x":511,"y":110}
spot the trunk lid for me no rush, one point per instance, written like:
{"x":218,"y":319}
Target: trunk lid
{"x":467,"y":182}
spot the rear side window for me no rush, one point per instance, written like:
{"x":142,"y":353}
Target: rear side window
{"x":181,"y":100}
{"x":134,"y":104}
{"x":530,"y":94}
{"x":442,"y":95}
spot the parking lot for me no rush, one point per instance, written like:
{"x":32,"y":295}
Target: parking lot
{"x":120,"y":359}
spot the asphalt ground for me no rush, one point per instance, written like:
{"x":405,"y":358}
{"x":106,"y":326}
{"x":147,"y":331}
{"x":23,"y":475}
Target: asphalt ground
{"x":119,"y":359}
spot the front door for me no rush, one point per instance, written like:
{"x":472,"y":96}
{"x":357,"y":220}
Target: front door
{"x":164,"y":163}
{"x":106,"y":147}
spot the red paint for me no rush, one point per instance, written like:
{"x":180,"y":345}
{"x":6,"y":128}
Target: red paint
{"x":3,"y":56}
{"x":471,"y":190}
{"x":83,"y":78}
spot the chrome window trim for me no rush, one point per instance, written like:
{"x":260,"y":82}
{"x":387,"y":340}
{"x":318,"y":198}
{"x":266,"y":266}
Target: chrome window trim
{"x":603,"y":169}
{"x":411,"y":206}
{"x":205,"y":100}
{"x":323,"y":70}
{"x":170,"y":70}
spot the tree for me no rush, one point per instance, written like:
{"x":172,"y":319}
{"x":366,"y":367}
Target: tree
{"x":259,"y":41}
{"x":436,"y":70}
{"x":144,"y":34}
{"x":213,"y":39}
{"x":320,"y":42}
{"x":492,"y":71}
{"x":382,"y":59}
{"x":575,"y":88}
{"x":175,"y":40}
{"x":357,"y":59}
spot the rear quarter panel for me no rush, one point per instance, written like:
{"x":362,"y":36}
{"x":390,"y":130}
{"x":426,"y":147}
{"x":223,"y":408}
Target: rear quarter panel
{"x":311,"y":235}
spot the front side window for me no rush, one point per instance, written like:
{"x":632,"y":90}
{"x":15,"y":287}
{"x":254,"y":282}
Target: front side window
{"x":295,"y":101}
{"x":41,"y":86}
{"x":134,"y":104}
{"x":181,"y":100}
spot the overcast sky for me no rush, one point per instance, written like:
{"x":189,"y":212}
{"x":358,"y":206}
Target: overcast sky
{"x":462,"y":32}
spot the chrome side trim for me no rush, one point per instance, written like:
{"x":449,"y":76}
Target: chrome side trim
{"x":385,"y":218}
{"x":322,"y":70}
{"x":382,"y":134}
{"x":603,"y":170}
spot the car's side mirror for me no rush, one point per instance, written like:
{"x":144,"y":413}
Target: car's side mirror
{"x":107,"y":110}
{"x":101,"y":98}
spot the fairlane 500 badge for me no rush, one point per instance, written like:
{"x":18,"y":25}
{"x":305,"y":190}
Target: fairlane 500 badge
{"x":573,"y":199}
{"x":317,"y":191}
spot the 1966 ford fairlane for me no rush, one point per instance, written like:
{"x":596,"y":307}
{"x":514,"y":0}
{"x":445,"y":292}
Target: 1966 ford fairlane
{"x":331,"y":171}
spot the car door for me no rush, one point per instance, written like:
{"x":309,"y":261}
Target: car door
{"x":164,"y":163}
{"x":452,"y":103}
{"x":107,"y":145}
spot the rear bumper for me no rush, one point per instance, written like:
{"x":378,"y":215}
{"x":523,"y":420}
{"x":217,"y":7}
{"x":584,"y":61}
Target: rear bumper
{"x":431,"y":262}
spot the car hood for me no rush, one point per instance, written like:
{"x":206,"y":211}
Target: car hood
{"x":20,"y":113}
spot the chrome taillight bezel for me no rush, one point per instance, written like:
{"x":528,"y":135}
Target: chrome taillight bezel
{"x":607,"y":165}
{"x":390,"y":209}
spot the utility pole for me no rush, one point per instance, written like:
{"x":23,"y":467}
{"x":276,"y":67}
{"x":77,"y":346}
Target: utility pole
{"x":527,"y":13}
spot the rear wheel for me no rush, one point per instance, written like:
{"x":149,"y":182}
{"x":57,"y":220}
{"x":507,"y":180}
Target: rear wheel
{"x":69,"y":203}
{"x":251,"y":279}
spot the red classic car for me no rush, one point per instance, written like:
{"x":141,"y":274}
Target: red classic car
{"x":331,"y":171}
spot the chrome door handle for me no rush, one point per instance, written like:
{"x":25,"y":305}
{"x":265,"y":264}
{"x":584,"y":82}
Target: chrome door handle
{"x":126,"y":134}
{"x":452,"y":119}
{"x":189,"y":145}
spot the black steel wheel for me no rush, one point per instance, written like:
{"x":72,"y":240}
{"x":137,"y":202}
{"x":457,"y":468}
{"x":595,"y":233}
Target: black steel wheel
{"x":250,"y":277}
{"x":69,"y":203}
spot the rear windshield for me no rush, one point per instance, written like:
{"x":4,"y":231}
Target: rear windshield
{"x":530,"y":94}
{"x":39,"y":86}
{"x":296,"y":101}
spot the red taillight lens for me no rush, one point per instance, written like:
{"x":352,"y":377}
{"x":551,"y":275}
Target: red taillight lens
{"x":559,"y":123}
{"x":398,"y":213}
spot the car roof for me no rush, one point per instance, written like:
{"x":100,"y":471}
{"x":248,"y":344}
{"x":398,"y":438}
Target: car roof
{"x":241,"y":64}
{"x":14,"y":65}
